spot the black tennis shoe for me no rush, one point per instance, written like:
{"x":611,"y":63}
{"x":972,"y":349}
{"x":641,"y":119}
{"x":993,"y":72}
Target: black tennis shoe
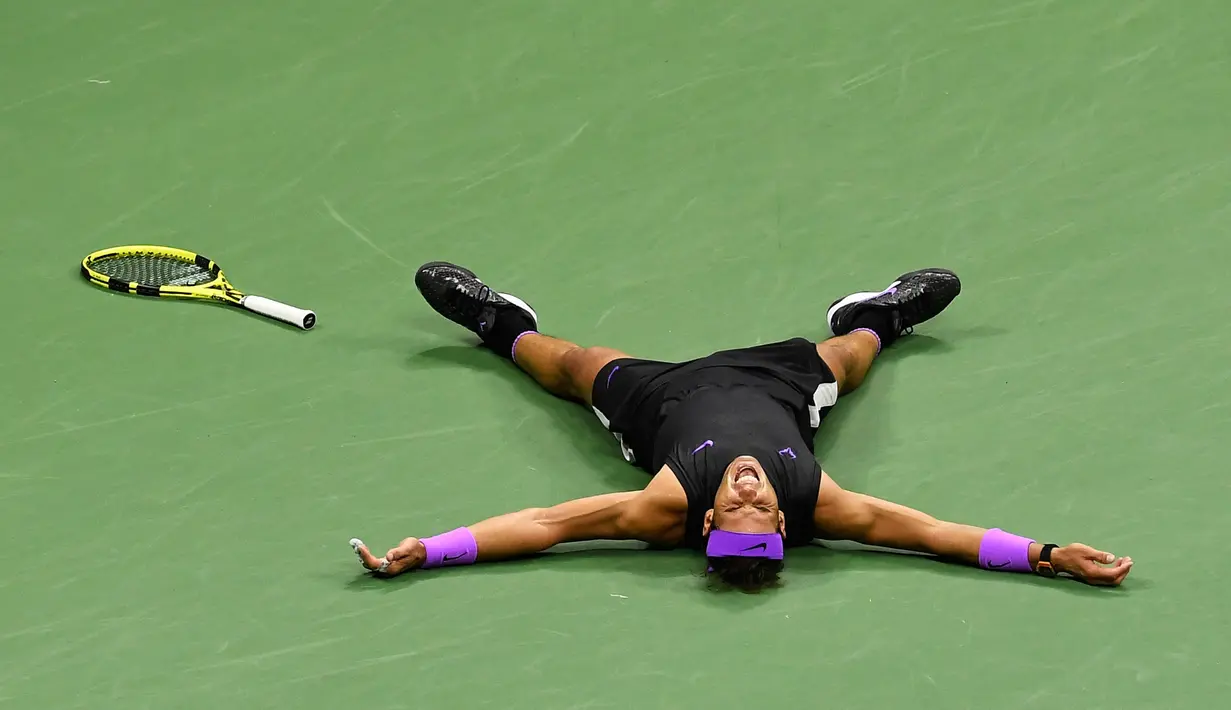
{"x":910,"y":300}
{"x":457,"y":294}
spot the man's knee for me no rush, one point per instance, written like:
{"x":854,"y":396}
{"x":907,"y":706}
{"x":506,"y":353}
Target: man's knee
{"x":584,"y":364}
{"x":573,"y":360}
{"x":836,"y":356}
{"x":849,"y":357}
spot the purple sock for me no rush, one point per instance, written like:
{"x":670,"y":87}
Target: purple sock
{"x":513,"y":350}
{"x":509,"y":325}
{"x":874,"y":335}
{"x":880,"y":321}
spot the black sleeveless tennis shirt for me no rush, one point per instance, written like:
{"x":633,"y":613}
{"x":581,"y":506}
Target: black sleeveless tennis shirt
{"x":704,"y":432}
{"x":697,"y":416}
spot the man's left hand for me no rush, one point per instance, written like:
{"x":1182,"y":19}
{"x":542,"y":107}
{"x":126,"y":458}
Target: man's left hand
{"x":1091,"y":566}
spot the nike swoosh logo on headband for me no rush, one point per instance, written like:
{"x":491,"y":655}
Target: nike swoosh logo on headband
{"x":761,"y":546}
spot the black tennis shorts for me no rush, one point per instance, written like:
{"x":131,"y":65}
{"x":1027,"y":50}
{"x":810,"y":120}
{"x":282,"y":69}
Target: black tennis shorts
{"x":633,"y":397}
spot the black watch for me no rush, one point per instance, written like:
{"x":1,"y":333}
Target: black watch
{"x":1044,"y":568}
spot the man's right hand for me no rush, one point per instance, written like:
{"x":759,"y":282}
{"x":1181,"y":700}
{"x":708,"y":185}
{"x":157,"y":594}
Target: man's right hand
{"x":409,"y":555}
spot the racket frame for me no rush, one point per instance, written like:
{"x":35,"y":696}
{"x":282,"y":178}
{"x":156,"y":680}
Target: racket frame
{"x":218,"y":289}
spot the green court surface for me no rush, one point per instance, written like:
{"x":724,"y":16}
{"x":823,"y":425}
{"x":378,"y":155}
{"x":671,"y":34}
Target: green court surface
{"x":178,"y":481}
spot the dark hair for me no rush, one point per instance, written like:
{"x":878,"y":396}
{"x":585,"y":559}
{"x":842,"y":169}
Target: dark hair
{"x":747,"y":574}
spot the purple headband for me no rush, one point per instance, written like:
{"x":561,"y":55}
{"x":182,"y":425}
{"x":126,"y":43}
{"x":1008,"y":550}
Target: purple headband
{"x":723,"y":543}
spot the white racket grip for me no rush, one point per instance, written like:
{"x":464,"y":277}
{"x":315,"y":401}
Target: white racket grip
{"x":297,"y":317}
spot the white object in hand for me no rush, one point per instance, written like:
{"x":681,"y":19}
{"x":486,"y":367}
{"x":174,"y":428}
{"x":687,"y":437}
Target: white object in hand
{"x":356,"y":543}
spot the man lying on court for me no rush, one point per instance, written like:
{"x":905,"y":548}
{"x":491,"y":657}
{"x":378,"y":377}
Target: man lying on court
{"x":728,"y":439}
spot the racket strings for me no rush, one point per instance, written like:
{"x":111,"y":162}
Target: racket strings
{"x":153,"y":270}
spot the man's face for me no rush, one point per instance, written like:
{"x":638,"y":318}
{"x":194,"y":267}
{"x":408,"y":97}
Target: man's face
{"x":745,"y":502}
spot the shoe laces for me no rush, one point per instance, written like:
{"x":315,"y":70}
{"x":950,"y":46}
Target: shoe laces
{"x":471,"y":304}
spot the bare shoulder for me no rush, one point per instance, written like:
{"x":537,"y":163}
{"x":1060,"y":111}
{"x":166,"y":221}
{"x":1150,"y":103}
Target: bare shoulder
{"x":659,"y":512}
{"x":836,"y":508}
{"x":830,"y":492}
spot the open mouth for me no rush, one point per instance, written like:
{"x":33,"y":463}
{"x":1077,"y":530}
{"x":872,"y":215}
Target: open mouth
{"x":744,"y":473}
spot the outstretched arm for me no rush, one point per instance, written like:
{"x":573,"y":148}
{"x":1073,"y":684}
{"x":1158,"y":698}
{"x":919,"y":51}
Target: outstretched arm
{"x":846,"y":515}
{"x":613,"y":516}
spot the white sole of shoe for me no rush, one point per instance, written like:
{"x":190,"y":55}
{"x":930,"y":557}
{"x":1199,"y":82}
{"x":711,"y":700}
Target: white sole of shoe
{"x":854,"y":298}
{"x":520,"y":304}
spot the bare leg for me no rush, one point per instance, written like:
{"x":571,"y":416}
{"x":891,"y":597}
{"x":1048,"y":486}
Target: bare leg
{"x":849,"y":357}
{"x":568,"y":370}
{"x":565,"y":369}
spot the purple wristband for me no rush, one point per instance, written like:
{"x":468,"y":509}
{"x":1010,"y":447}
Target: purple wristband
{"x":456,"y":547}
{"x":1002,"y":551}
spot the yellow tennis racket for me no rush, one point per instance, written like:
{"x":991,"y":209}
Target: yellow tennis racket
{"x":166,"y":272}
